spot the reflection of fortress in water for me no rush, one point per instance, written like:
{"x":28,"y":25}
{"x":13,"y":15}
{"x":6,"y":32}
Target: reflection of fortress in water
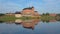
{"x":28,"y":23}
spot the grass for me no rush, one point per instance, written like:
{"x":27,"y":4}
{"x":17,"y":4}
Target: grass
{"x":47,"y":18}
{"x":12,"y":18}
{"x":9,"y":18}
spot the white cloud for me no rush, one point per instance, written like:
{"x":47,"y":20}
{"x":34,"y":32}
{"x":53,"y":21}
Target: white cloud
{"x":42,"y":6}
{"x":9,"y":6}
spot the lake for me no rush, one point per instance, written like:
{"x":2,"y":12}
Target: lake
{"x":34,"y":26}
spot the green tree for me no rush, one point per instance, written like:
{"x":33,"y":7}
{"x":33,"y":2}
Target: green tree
{"x":2,"y":14}
{"x":47,"y":13}
{"x":58,"y":14}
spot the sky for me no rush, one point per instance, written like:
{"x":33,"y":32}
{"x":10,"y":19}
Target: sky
{"x":42,"y":6}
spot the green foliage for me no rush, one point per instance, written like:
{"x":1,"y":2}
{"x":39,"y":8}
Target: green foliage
{"x":58,"y":14}
{"x":2,"y":14}
{"x":47,"y":18}
{"x":6,"y":18}
{"x":44,"y":17}
{"x":45,"y":14}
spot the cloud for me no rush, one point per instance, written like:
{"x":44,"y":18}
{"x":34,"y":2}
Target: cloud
{"x":12,"y":5}
{"x":9,"y":7}
{"x":42,"y":6}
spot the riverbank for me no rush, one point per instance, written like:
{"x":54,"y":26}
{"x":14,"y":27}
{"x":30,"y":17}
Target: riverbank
{"x":47,"y":18}
{"x":10,"y":18}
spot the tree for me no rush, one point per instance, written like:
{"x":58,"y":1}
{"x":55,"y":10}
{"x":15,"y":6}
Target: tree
{"x":1,"y":14}
{"x":58,"y":14}
{"x":47,"y":13}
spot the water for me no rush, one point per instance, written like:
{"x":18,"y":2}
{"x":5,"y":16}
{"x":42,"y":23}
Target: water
{"x":30,"y":27}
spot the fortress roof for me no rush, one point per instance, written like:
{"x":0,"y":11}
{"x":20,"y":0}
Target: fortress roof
{"x":28,"y":8}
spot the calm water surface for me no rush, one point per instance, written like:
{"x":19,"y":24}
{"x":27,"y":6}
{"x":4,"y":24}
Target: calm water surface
{"x":30,"y":27}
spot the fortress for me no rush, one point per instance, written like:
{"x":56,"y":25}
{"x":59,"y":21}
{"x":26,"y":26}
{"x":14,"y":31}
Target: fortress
{"x":30,"y":11}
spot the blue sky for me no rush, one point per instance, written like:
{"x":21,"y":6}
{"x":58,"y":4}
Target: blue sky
{"x":42,"y":6}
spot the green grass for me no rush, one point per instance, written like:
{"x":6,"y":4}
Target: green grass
{"x":7,"y":18}
{"x":12,"y":18}
{"x":46,"y":18}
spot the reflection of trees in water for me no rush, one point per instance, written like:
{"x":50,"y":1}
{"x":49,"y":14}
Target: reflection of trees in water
{"x":29,"y":24}
{"x":58,"y":18}
{"x":47,"y":21}
{"x":7,"y":22}
{"x":1,"y":21}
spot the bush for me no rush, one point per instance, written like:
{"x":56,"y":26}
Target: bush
{"x":2,"y":14}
